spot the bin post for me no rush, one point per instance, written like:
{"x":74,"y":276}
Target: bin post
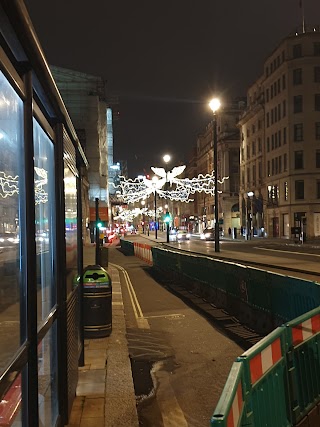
{"x":104,"y":257}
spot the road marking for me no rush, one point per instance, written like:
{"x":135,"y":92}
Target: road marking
{"x":176,"y":316}
{"x":172,"y":414}
{"x":141,"y":320}
{"x":287,"y":252}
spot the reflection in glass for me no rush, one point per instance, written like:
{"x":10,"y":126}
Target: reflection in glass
{"x":70,"y":191}
{"x":47,"y":379}
{"x":10,"y":405}
{"x":45,"y":219}
{"x":11,"y":203}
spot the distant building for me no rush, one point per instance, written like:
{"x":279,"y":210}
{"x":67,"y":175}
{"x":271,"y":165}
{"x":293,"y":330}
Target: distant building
{"x":91,"y":113}
{"x":280,"y":143}
{"x":202,"y":209}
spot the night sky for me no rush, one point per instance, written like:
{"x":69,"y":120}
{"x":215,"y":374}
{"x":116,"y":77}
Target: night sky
{"x":165,"y":60}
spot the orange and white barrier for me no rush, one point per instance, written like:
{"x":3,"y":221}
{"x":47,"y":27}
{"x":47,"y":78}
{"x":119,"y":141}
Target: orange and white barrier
{"x":305,"y":330}
{"x":143,"y":251}
{"x":265,"y":360}
{"x":236,"y":408}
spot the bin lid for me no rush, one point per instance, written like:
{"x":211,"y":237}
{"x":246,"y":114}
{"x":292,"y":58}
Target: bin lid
{"x":94,"y":275}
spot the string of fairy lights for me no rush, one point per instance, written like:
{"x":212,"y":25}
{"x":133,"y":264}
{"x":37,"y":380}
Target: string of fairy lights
{"x":9,"y":185}
{"x":133,"y":190}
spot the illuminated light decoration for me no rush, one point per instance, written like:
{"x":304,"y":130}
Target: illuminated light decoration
{"x":9,"y":185}
{"x":134,"y":190}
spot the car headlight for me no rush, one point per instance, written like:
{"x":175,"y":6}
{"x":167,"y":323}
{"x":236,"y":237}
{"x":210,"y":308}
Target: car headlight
{"x":188,"y":236}
{"x":207,"y":235}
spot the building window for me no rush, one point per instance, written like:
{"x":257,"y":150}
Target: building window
{"x":297,"y":104}
{"x":299,"y":190}
{"x":285,"y":162}
{"x":317,"y":74}
{"x":297,"y":76}
{"x":316,"y":49}
{"x":284,"y":136}
{"x":317,"y":102}
{"x":318,"y":188}
{"x":254,"y":174}
{"x":268,"y":167}
{"x":317,"y":159}
{"x":268,"y":120}
{"x":317,"y":126}
{"x":283,"y":82}
{"x":279,"y":137}
{"x":259,"y":145}
{"x":12,"y":224}
{"x":284,"y":109}
{"x":285,"y":190}
{"x":298,"y":132}
{"x":297,"y":51}
{"x":280,"y":164}
{"x":253,"y":148}
{"x":268,"y":144}
{"x":248,"y":176}
{"x":298,"y":159}
{"x":260,"y":170}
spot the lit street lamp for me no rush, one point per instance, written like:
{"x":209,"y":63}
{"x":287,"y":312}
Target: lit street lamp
{"x":155,"y":180}
{"x":248,"y":215}
{"x":214,"y":104}
{"x":166,"y":159}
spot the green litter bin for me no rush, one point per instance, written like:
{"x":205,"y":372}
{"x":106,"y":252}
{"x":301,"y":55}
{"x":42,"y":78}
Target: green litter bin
{"x":97,"y":302}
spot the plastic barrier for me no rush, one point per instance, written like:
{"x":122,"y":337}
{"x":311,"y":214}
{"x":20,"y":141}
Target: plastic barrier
{"x":143,"y":251}
{"x":304,"y":360}
{"x":230,"y":408}
{"x":127,"y":247}
{"x":279,"y":377}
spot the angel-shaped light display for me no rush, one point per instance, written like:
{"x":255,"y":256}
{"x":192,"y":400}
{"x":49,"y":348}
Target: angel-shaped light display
{"x":134,"y":190}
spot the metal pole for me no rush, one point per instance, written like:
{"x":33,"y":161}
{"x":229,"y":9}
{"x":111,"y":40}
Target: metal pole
{"x":247,"y":219}
{"x":155,"y":214}
{"x":97,"y":234}
{"x":216,"y":200}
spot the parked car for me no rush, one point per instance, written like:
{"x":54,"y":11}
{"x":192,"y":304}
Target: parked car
{"x":207,"y":234}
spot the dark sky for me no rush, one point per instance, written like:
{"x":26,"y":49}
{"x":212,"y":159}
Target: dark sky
{"x":165,"y":59}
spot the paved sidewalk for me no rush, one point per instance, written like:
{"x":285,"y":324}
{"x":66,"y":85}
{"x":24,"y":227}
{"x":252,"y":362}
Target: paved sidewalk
{"x":105,"y":394}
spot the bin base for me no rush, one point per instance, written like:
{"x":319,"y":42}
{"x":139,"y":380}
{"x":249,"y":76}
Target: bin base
{"x":100,"y":331}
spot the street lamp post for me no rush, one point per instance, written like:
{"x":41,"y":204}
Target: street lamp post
{"x":215,"y":105}
{"x":166,"y":159}
{"x":248,"y":215}
{"x":155,"y":179}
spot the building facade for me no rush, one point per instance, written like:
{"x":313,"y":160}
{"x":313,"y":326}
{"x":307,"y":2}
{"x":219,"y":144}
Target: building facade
{"x":202,"y":210}
{"x":280,"y":143}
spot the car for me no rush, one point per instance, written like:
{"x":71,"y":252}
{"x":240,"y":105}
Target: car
{"x":182,"y":235}
{"x":7,"y":239}
{"x":207,"y":234}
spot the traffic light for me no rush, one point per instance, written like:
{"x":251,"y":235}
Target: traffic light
{"x":99,"y":223}
{"x":167,"y":217}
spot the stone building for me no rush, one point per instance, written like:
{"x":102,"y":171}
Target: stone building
{"x":280,"y":144}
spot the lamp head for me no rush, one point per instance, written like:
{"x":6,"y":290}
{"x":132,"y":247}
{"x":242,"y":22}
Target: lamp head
{"x":166,"y":158}
{"x":215,"y":104}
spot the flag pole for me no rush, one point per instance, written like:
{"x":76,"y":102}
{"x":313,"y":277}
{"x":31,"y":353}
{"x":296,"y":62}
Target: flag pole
{"x":303,"y":17}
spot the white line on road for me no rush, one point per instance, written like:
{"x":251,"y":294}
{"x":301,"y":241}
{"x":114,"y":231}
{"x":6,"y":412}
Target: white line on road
{"x":141,"y":320}
{"x":287,"y":252}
